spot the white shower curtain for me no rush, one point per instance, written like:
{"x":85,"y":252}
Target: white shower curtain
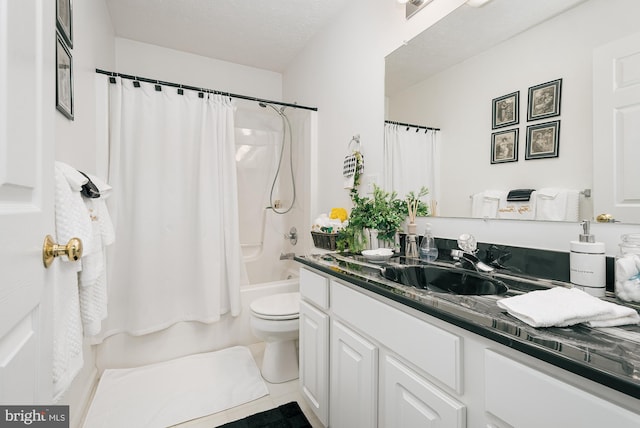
{"x":411,"y":161}
{"x":172,"y":166}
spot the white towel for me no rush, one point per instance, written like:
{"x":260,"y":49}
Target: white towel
{"x":485,"y":204}
{"x":71,"y":221}
{"x":557,"y":204}
{"x":522,"y":210}
{"x":561,"y":307}
{"x":93,"y":277}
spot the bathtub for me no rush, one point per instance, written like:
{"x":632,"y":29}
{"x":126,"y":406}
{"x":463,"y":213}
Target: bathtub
{"x":186,"y":338}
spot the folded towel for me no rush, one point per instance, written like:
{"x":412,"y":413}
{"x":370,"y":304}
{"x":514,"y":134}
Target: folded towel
{"x":522,"y":210}
{"x":562,"y":307}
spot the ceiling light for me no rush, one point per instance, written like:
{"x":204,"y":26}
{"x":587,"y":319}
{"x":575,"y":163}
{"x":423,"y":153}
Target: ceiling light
{"x":477,"y":3}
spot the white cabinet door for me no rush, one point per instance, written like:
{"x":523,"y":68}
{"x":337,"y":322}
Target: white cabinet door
{"x":314,"y":360}
{"x":408,"y":400}
{"x":27,"y":107}
{"x":354,"y":379}
{"x":616,"y":129}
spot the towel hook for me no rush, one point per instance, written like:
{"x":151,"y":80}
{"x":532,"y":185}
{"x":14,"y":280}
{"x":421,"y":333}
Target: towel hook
{"x":355,"y":138}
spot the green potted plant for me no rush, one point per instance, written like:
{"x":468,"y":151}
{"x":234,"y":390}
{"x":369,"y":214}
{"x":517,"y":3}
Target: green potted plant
{"x":383,"y":212}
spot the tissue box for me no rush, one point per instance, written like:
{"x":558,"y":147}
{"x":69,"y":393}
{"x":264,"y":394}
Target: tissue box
{"x":326,"y":241}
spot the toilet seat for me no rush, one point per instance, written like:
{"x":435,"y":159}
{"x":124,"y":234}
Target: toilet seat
{"x":283,"y":306}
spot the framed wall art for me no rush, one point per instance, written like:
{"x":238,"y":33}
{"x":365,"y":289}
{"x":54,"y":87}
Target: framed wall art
{"x":64,"y":79}
{"x":543,"y":140}
{"x":505,"y":110}
{"x":64,"y":20}
{"x":504,"y":146}
{"x":544,"y":100}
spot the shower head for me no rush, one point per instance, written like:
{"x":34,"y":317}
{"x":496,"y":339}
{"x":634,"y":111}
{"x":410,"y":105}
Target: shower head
{"x":279,"y":111}
{"x":263,"y":105}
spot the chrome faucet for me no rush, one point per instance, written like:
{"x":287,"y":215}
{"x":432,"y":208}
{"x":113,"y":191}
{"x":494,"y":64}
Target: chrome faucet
{"x":466,"y":256}
{"x":471,"y":261}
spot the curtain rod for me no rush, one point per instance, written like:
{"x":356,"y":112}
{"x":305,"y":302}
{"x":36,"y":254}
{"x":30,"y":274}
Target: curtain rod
{"x":195,"y":88}
{"x":409,"y":125}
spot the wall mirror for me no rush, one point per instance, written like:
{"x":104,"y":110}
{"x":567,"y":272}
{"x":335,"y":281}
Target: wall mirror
{"x":448,"y":78}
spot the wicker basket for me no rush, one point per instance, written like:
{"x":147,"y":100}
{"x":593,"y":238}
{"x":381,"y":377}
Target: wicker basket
{"x":326,"y":241}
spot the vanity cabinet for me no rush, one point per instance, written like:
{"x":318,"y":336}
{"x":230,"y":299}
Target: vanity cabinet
{"x":513,"y":392}
{"x":385,"y":364}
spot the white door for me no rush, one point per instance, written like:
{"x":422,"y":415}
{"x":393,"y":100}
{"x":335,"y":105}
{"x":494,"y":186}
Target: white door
{"x":616,"y":129}
{"x":27,"y":108}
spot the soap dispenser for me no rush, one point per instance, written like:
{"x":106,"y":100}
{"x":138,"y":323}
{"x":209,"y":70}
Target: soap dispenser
{"x":428,"y":249}
{"x":587,"y":263}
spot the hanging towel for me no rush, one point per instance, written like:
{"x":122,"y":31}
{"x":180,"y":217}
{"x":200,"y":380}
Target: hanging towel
{"x":557,"y":204}
{"x":352,"y":163}
{"x":485,"y":204}
{"x":71,"y":220}
{"x":93,"y":276}
{"x":517,"y":207}
{"x":562,"y":307}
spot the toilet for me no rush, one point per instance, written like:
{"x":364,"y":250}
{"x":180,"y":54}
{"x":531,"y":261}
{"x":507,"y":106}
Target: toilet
{"x":274,"y":319}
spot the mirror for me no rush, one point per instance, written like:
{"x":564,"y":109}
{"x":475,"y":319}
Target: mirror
{"x":447,"y":78}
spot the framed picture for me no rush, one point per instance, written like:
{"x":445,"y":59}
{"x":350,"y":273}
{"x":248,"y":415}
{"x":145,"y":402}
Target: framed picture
{"x":64,"y":79}
{"x":504,"y":146}
{"x":64,"y":20}
{"x":505,"y":110}
{"x":543,"y":140}
{"x":544,"y":100}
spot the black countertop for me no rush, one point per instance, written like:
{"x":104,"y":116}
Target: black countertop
{"x":609,"y":356}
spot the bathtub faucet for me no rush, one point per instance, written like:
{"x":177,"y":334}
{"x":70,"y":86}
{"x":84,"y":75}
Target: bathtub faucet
{"x":287,"y":256}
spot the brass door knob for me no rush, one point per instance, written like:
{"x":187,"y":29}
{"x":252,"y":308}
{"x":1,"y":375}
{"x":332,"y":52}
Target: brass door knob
{"x":51,"y":250}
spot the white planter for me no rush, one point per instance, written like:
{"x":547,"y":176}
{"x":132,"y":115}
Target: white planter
{"x":373,"y":243}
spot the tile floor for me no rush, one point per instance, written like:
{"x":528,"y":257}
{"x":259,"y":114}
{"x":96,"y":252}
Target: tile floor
{"x":278,"y":394}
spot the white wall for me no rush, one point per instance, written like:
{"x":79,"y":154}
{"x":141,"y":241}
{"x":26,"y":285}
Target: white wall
{"x":342,"y":72}
{"x":155,"y":62}
{"x":93,"y":47}
{"x":458,"y":100}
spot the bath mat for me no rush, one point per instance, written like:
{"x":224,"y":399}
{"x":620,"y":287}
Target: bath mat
{"x":286,"y":416}
{"x":171,"y":392}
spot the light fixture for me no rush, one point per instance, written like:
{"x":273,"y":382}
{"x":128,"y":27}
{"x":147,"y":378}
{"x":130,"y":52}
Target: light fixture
{"x":412,"y":6}
{"x":477,"y":3}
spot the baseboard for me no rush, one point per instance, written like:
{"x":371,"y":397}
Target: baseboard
{"x":78,"y":410}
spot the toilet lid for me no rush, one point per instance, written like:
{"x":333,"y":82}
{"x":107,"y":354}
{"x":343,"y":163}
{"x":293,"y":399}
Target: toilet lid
{"x":277,"y":306}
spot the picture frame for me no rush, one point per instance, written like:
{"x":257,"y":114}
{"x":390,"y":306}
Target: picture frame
{"x":64,"y":20}
{"x":504,"y":146}
{"x":544,"y":100}
{"x":543,"y":140}
{"x":64,"y":78}
{"x":505,"y":110}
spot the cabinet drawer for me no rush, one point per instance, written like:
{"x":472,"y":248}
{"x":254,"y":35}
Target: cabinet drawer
{"x":314,"y":288}
{"x":436,"y":351}
{"x":524,"y":397}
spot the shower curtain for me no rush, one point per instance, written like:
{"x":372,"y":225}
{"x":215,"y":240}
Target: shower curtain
{"x":412,"y":161}
{"x":172,"y":166}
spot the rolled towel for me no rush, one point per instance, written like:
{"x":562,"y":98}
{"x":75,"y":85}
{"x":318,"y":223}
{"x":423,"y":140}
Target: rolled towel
{"x":562,"y":307}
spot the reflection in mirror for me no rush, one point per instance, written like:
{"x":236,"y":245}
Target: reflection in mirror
{"x":447,"y":78}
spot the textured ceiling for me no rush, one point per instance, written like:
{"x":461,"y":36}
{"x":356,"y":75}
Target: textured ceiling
{"x":462,"y":34}
{"x":266,"y":34}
